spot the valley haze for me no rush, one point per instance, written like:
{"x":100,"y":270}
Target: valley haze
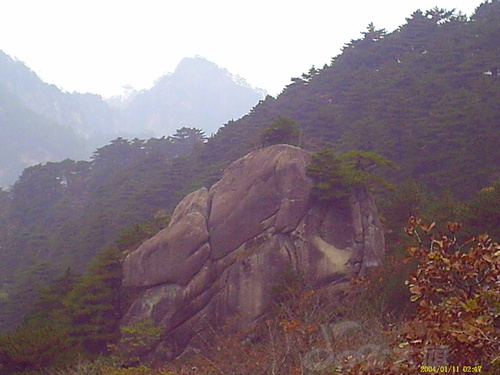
{"x":40,"y":123}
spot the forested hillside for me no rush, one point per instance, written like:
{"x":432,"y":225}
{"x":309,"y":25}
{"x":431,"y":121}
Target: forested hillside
{"x":60,"y":215}
{"x":425,"y":96}
{"x":41,"y":123}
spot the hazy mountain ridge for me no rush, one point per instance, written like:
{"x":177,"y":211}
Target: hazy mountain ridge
{"x":86,"y":114}
{"x":29,"y":138}
{"x":198,"y":94}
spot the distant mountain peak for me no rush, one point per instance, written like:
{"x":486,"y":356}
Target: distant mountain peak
{"x":199,"y":94}
{"x":196,"y":64}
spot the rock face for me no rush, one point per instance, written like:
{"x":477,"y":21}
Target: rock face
{"x":227,"y":247}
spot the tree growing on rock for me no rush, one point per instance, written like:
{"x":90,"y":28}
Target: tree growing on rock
{"x":336,"y":176}
{"x":283,"y":130}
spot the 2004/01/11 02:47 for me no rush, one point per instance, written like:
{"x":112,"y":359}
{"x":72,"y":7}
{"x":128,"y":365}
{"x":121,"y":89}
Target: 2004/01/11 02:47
{"x":451,"y":369}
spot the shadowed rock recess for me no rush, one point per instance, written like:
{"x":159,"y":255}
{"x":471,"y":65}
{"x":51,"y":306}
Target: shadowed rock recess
{"x":226,"y":248}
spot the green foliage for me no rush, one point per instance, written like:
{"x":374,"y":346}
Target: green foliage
{"x":20,"y":295}
{"x":63,"y":213}
{"x":44,"y":335}
{"x":131,"y":238}
{"x":282,"y":130}
{"x":482,"y":214}
{"x":186,"y":139}
{"x":93,"y":306}
{"x":337,"y":176}
{"x":79,"y":314}
{"x":104,"y":366}
{"x":31,"y":348}
{"x":383,"y":293}
{"x":50,"y":304}
{"x":424,"y":95}
{"x":138,"y":339}
{"x":359,"y":166}
{"x":330,"y":181}
{"x":412,"y":198}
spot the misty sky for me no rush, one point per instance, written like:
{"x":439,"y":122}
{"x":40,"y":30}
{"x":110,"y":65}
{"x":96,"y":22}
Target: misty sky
{"x":100,"y":45}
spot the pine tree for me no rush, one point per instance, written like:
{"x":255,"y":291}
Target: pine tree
{"x":94,"y":305}
{"x":283,"y":130}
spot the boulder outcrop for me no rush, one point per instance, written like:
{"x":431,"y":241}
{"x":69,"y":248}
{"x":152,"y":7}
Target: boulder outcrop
{"x":226,"y":248}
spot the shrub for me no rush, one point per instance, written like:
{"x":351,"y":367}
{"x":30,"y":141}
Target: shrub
{"x":105,"y":366}
{"x":31,"y":348}
{"x":283,"y":130}
{"x":457,"y":292}
{"x":138,"y":339}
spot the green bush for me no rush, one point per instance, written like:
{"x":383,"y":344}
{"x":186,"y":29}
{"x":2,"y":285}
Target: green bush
{"x":138,"y":339}
{"x":283,"y":130}
{"x":336,"y":176}
{"x":31,"y":348}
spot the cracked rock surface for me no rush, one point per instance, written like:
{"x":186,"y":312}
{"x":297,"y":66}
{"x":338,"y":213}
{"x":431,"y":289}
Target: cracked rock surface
{"x":226,"y":248}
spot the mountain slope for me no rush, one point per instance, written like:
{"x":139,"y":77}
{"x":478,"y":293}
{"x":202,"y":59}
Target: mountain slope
{"x":28,"y":138}
{"x":198,"y":94}
{"x":86,"y":114}
{"x":60,"y":215}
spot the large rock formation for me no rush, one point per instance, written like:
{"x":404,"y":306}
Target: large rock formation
{"x":227,"y":247}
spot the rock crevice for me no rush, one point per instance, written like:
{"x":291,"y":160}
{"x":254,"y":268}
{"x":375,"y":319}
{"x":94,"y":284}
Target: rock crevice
{"x":227,"y":247}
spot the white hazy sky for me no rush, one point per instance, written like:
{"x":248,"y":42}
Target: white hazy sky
{"x":100,"y":45}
